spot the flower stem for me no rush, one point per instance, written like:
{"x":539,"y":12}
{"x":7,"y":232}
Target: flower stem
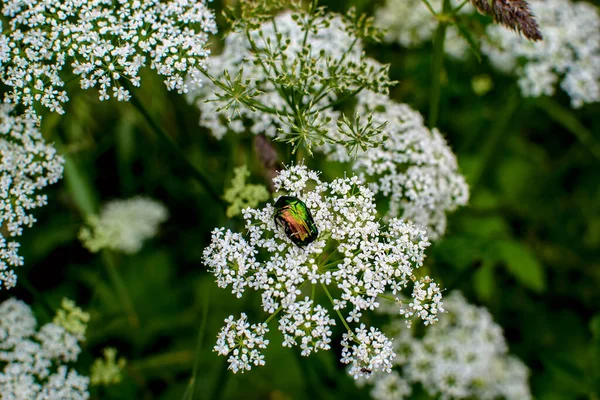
{"x":37,"y":295}
{"x":273,"y":315}
{"x":120,"y":287}
{"x":164,"y":136}
{"x":493,"y":140}
{"x":189,"y":392}
{"x":338,"y":311}
{"x":436,"y":69}
{"x":85,"y":200}
{"x":566,"y":118}
{"x":429,"y":7}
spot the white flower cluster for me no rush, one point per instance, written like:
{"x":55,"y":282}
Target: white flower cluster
{"x":243,"y":342}
{"x":569,"y":52}
{"x":410,"y":24}
{"x":367,"y":351}
{"x":308,"y":322}
{"x":123,"y":225}
{"x":27,"y":165}
{"x":105,"y":43}
{"x":329,"y":45}
{"x":354,"y":260}
{"x":32,"y":362}
{"x":414,"y":168}
{"x":464,"y":356}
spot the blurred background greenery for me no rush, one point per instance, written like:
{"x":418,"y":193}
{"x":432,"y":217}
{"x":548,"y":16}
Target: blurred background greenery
{"x":527,"y":247}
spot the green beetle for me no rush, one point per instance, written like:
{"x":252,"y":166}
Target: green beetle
{"x":294,"y":217}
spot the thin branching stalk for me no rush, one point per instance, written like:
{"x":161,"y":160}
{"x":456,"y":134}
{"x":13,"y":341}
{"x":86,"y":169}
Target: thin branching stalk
{"x":494,"y":138}
{"x":437,"y":65}
{"x":37,"y":295}
{"x":120,"y":287}
{"x":189,"y":392}
{"x":86,"y":201}
{"x":164,"y":136}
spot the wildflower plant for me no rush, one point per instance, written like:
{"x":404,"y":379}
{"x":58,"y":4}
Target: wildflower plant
{"x":27,"y":165}
{"x":103,"y":44}
{"x":414,"y":169}
{"x":411,"y":23}
{"x":354,"y":261}
{"x":34,"y":362}
{"x":463,"y":356}
{"x":123,"y":225}
{"x":285,"y":75}
{"x":569,"y":53}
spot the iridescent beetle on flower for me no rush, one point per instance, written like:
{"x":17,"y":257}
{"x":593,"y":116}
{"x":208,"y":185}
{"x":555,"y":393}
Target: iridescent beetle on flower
{"x":296,"y":220}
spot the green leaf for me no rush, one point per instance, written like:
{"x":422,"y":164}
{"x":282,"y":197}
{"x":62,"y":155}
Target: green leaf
{"x":515,"y":177}
{"x":484,"y":281}
{"x":80,"y":188}
{"x":566,"y":371}
{"x":522,"y":264}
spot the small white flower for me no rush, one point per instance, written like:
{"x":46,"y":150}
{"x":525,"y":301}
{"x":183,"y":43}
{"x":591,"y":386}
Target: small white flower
{"x":242,"y":342}
{"x":308,"y":323}
{"x":103,"y":43}
{"x":123,"y":225}
{"x":410,"y":24}
{"x":327,"y":42}
{"x":367,"y":351}
{"x":414,"y":168}
{"x":33,"y":361}
{"x":463,"y":356}
{"x":27,"y":165}
{"x":569,"y":52}
{"x":354,"y":260}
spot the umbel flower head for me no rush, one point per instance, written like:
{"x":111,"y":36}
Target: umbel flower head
{"x":123,"y":225}
{"x":463,"y":356}
{"x":284,"y":77}
{"x":569,"y":53}
{"x":414,"y":169}
{"x":33,"y":363}
{"x":104,"y":43}
{"x":411,"y":24}
{"x":350,"y":264}
{"x":27,"y":165}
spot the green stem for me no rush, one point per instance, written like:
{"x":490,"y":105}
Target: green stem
{"x":493,"y":140}
{"x":390,"y":298}
{"x":273,"y":315}
{"x":189,"y":393}
{"x":39,"y":297}
{"x":429,"y":7}
{"x":85,"y":199}
{"x":566,"y":118}
{"x":164,"y":136}
{"x":338,"y":311}
{"x":341,"y":99}
{"x":457,"y":9}
{"x":221,"y":383}
{"x":165,"y":362}
{"x":311,"y":383}
{"x":436,"y":69}
{"x":120,"y":287}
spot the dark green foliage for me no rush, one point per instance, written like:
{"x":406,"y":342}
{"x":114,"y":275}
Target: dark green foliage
{"x":527,"y":246}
